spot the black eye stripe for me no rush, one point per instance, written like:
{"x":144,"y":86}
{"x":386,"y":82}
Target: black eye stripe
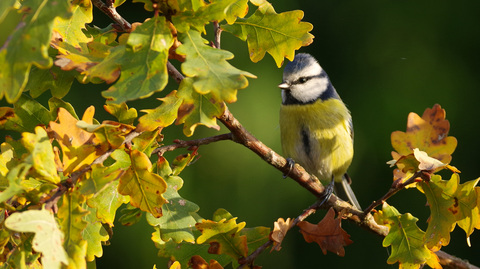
{"x":302,"y":80}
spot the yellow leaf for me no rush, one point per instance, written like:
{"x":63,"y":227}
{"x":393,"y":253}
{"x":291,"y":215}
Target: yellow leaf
{"x":144,"y":187}
{"x":79,"y":147}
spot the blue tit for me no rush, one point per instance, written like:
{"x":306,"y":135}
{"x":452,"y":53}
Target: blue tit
{"x":316,"y":126}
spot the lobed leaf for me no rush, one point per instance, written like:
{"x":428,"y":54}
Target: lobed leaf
{"x":177,"y":222}
{"x":328,"y":234}
{"x":48,"y":238}
{"x":278,"y":34}
{"x":217,"y":10}
{"x":28,"y":44}
{"x":106,"y":198}
{"x":196,"y":109}
{"x":143,"y":186}
{"x":428,"y":133}
{"x":162,"y":116}
{"x":79,"y":147}
{"x":94,"y":234}
{"x":405,"y":238}
{"x":42,"y":157}
{"x":450,"y":203}
{"x":223,"y":237}
{"x":71,"y":217}
{"x":209,"y":69}
{"x":122,"y":112}
{"x":142,"y":61}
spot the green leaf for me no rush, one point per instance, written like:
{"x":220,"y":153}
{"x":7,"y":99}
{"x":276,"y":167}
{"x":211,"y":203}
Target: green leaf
{"x":144,"y":187}
{"x":146,"y":142}
{"x":177,"y":221}
{"x":54,"y":79}
{"x":450,"y":202}
{"x":108,"y":132}
{"x":441,"y":221}
{"x":122,"y":112}
{"x":28,"y":114}
{"x":278,"y":34}
{"x":48,"y":237}
{"x":218,"y":10}
{"x":14,"y":178}
{"x":42,"y":156}
{"x":70,"y":215}
{"x":70,"y":29}
{"x":256,"y":237}
{"x":183,"y":252}
{"x":94,"y":234}
{"x":223,"y":237}
{"x":143,"y":62}
{"x":196,"y":109}
{"x":29,"y":44}
{"x":405,"y":238}
{"x":130,"y":215}
{"x":162,"y":116}
{"x":209,"y":69}
{"x":106,"y":198}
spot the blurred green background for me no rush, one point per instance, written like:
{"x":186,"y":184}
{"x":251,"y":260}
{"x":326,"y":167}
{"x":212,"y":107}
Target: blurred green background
{"x":386,"y":59}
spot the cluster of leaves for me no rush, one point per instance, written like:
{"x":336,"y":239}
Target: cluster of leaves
{"x":63,"y":182}
{"x":423,"y":150}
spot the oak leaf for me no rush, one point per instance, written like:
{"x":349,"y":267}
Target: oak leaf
{"x":450,"y":203}
{"x":278,"y":34}
{"x":280,"y":229}
{"x":428,"y":133}
{"x":328,"y":234}
{"x":223,"y":235}
{"x":405,"y":238}
{"x":79,"y":147}
{"x":144,"y":187}
{"x":197,"y":262}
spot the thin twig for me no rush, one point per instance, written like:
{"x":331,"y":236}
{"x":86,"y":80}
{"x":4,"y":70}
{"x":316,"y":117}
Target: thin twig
{"x":110,"y":11}
{"x":174,"y":73}
{"x":191,"y":143}
{"x":217,"y":34}
{"x":396,"y":187}
{"x":307,"y":212}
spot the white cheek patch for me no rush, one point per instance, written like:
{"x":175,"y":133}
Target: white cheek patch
{"x":310,"y":90}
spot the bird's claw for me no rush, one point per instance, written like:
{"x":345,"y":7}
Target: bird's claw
{"x":328,"y":192}
{"x":290,"y":164}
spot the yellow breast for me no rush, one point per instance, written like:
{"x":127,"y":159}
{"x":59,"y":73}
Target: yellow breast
{"x":318,"y":137}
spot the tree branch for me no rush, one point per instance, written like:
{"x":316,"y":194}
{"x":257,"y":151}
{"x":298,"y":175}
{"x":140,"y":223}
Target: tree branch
{"x":110,"y":10}
{"x":310,"y":182}
{"x":191,"y":143}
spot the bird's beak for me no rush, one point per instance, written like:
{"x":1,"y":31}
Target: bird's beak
{"x":284,"y":86}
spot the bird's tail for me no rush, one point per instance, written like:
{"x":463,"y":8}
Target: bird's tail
{"x":345,"y":192}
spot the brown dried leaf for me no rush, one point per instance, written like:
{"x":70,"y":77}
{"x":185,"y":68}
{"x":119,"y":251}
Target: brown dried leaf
{"x":328,"y":234}
{"x":280,"y":229}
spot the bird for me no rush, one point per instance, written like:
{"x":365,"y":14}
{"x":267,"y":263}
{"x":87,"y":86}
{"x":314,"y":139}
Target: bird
{"x":316,"y":126}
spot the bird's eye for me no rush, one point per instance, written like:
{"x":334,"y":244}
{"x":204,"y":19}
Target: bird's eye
{"x":303,"y":79}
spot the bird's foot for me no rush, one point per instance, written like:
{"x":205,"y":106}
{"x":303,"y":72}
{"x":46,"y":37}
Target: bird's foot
{"x":327,"y":193}
{"x":290,"y":164}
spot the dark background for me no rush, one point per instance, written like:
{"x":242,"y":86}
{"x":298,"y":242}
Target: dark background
{"x":386,"y":59}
